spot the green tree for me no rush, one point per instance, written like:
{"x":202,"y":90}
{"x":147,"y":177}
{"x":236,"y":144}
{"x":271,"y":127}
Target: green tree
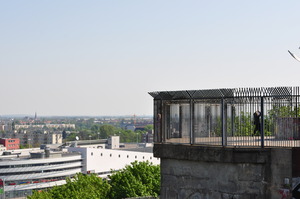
{"x":107,"y":130}
{"x":243,"y":124}
{"x":71,"y":137}
{"x":137,"y":179}
{"x":148,"y":127}
{"x":82,"y":187}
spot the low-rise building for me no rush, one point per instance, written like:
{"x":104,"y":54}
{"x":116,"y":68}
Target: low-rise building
{"x":34,"y":169}
{"x":104,"y":161}
{"x":25,"y":170}
{"x":10,"y":143}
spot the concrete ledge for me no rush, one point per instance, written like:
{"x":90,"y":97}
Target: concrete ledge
{"x":195,"y":171}
{"x":212,"y":153}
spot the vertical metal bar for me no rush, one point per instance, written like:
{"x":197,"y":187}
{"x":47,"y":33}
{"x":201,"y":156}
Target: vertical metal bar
{"x":160,"y":122}
{"x":296,"y":105}
{"x":232,"y":119}
{"x":192,"y":141}
{"x":262,"y":123}
{"x":165,"y":122}
{"x":223,"y":131}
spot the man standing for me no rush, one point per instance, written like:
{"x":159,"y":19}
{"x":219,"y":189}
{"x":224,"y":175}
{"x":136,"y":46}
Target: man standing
{"x":256,"y":116}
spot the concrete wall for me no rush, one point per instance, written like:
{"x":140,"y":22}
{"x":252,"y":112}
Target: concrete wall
{"x":200,"y":172}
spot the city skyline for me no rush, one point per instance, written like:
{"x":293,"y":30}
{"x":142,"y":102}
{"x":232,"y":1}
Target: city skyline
{"x":93,"y":58}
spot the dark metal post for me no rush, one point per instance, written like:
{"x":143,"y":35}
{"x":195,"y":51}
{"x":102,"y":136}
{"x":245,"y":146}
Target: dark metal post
{"x":232,"y":119}
{"x":223,"y":130}
{"x":262,"y":134}
{"x":192,"y":141}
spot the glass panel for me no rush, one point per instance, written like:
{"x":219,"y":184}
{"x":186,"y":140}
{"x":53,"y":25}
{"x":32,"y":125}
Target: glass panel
{"x":207,"y":123}
{"x":157,"y":121}
{"x":178,"y":123}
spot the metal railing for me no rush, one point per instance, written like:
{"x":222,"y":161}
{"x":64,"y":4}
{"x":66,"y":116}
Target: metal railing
{"x":243,"y":117}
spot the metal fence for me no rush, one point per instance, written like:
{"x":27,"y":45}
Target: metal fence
{"x":249,"y":117}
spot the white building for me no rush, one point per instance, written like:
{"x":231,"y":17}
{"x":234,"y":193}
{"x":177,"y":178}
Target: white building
{"x":102,"y":161}
{"x":34,"y":169}
{"x":23,"y":172}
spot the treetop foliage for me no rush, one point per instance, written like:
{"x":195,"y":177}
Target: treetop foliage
{"x":137,"y":179}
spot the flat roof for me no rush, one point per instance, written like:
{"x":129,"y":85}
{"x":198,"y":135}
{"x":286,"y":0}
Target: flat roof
{"x":226,"y":93}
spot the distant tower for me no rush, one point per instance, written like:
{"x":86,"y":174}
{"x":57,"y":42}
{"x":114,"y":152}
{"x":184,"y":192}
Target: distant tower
{"x":35,"y":116}
{"x":134,"y":119}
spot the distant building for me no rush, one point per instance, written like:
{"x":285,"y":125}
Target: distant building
{"x":103,"y":161}
{"x":130,"y":127}
{"x":35,"y":137}
{"x":5,"y":127}
{"x":27,"y":170}
{"x":2,"y":148}
{"x":147,"y":137}
{"x":114,"y":142}
{"x":10,"y":143}
{"x":40,"y":126}
{"x":31,"y":169}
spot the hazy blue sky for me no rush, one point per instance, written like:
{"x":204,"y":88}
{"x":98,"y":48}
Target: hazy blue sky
{"x":69,"y":57}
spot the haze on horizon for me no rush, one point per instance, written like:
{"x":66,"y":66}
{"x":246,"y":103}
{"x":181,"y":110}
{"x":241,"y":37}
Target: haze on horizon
{"x":103,"y":57}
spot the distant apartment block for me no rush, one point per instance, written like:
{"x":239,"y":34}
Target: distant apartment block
{"x":10,"y":143}
{"x":4,"y":127}
{"x":56,"y":126}
{"x":33,"y":138}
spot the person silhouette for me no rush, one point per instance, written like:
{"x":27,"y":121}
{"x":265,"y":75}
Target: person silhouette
{"x":256,"y":122}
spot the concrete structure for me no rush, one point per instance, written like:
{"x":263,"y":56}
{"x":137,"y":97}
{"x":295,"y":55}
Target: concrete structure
{"x":10,"y":143}
{"x":114,"y":142}
{"x":216,"y":172}
{"x":27,"y":170}
{"x":208,"y":149}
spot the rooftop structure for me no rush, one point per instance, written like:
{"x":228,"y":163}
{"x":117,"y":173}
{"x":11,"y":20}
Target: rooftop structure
{"x":226,"y":117}
{"x":228,"y":143}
